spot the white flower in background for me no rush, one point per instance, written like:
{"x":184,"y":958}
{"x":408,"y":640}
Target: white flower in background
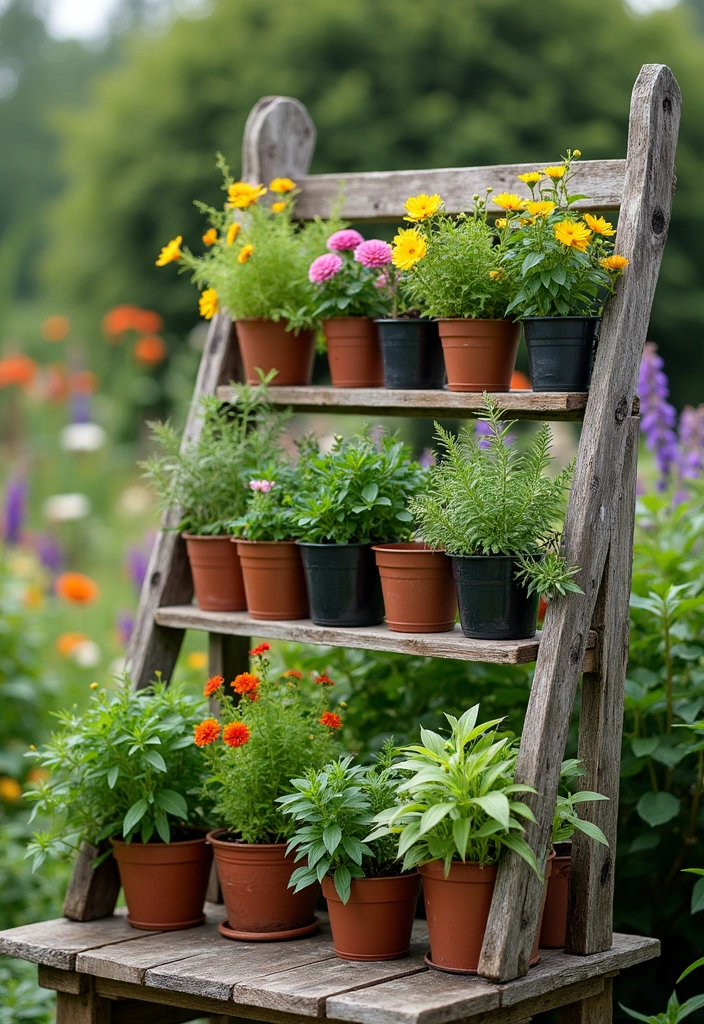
{"x":82,"y":437}
{"x":64,"y":508}
{"x":135,"y":501}
{"x":86,"y":654}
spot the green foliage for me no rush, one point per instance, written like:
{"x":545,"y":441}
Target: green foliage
{"x":207,"y":479}
{"x":357,"y":492}
{"x":566,"y":819}
{"x":21,"y":999}
{"x":279,"y":736}
{"x":125,"y":767}
{"x":486,"y":497}
{"x":333,"y":809}
{"x":674,"y":1013}
{"x":460,"y":798}
{"x":352,"y":291}
{"x":270,"y":514}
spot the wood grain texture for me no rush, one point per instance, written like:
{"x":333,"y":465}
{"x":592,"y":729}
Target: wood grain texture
{"x":595,"y":1010}
{"x":279,"y":140}
{"x":62,"y":981}
{"x":591,"y":898}
{"x":441,"y":404}
{"x":57,"y":943}
{"x":92,"y":892}
{"x":380,"y":195}
{"x":87,"y":1008}
{"x":642,"y":230}
{"x":368,"y":638}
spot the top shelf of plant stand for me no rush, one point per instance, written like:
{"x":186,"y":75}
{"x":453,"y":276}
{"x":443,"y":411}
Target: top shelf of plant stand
{"x":527,"y":405}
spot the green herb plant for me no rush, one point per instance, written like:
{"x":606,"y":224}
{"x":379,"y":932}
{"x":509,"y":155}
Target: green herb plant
{"x":566,"y":820}
{"x":269,"y":515}
{"x":487,"y":497}
{"x":333,"y":809}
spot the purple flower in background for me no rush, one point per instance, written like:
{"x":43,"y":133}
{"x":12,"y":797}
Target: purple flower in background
{"x":427,"y":458}
{"x":124,"y":627}
{"x":15,"y":509}
{"x":80,"y":408}
{"x":658,"y":415}
{"x":137,"y":561}
{"x":691,"y":441}
{"x":49,"y":552}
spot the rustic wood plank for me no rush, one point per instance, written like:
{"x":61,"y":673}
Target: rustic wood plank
{"x":597,"y":1009}
{"x":279,"y":140}
{"x":87,"y":1008}
{"x":441,"y":404}
{"x":368,"y":638}
{"x":62,"y":981}
{"x":593,"y":500}
{"x":380,"y":195}
{"x":134,"y":1011}
{"x":590,"y":917}
{"x":57,"y":943}
{"x":92,"y":892}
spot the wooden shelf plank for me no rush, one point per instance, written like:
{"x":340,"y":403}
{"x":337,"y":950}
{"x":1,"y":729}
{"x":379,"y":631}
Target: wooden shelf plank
{"x":368,"y":638}
{"x":442,"y":404}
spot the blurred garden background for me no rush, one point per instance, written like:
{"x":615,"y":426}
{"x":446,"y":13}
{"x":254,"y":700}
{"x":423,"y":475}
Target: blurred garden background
{"x":110,"y":118}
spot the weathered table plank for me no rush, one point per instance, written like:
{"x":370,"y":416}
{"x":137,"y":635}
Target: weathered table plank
{"x":57,"y":943}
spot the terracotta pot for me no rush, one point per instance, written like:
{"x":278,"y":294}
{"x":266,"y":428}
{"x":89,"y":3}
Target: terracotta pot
{"x":376,"y":921}
{"x":479,"y":354}
{"x":217,"y":573}
{"x":254,"y":880}
{"x":418,"y":587}
{"x":273,"y":579}
{"x":269,"y":346}
{"x":554,"y":927}
{"x":354,"y":352}
{"x":164,"y":883}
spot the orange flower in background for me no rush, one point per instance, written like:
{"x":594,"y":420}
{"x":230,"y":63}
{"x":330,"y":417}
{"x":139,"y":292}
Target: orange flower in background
{"x":77,"y":588}
{"x":293,"y":673}
{"x":213,"y":685}
{"x":245,"y":252}
{"x":146,"y":321}
{"x":520,"y":381}
{"x":280,"y":185}
{"x":125,"y":318}
{"x":330,"y":719}
{"x":210,"y":237}
{"x":261,"y":649}
{"x":10,"y":789}
{"x":56,"y":382}
{"x":37,"y":775}
{"x":197,"y":660}
{"x":245,"y":682}
{"x":236,"y":734}
{"x":17,"y":370}
{"x":83,"y":382}
{"x":207,"y":732}
{"x":278,"y":207}
{"x":323,"y":680}
{"x":150,"y":350}
{"x":233,"y":231}
{"x":55,"y":328}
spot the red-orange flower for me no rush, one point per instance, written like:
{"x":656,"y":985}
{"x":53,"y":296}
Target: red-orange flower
{"x":213,"y":685}
{"x":259,"y":650}
{"x":330,"y":719}
{"x":17,"y":369}
{"x":150,"y":350}
{"x":82,"y":382}
{"x":121,"y":319}
{"x":519,"y":381}
{"x":236,"y":734}
{"x":55,"y":328}
{"x":293,"y":673}
{"x":207,"y":732}
{"x":245,"y":682}
{"x":77,"y":588}
{"x":324,"y":680}
{"x":67,"y":642}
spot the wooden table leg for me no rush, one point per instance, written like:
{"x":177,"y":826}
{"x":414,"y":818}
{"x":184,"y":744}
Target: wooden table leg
{"x":596,"y":1009}
{"x":86,"y":1008}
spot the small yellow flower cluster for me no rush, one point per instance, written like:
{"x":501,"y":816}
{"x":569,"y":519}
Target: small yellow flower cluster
{"x":170,"y":252}
{"x":208,"y":303}
{"x":409,"y":246}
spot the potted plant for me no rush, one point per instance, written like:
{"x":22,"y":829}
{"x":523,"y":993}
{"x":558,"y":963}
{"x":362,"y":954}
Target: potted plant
{"x":347,"y":279}
{"x":418,"y":587}
{"x":457,"y":815}
{"x":371,"y":902}
{"x":564,"y":268}
{"x":493,"y":509}
{"x":565,"y":822}
{"x":271,"y":560}
{"x":255,"y":266}
{"x":347,"y":500}
{"x":203,"y":482}
{"x":454,"y":272}
{"x":271,"y":730}
{"x":124,"y":770}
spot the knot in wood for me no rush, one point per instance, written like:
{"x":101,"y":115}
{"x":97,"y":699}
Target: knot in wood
{"x":594,"y":484}
{"x":155,"y":579}
{"x":621,"y":410}
{"x":658,"y":221}
{"x":576,"y":648}
{"x":667,"y":105}
{"x":605,"y":871}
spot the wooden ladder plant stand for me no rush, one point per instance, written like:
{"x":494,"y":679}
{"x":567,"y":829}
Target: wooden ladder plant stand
{"x":105,"y":972}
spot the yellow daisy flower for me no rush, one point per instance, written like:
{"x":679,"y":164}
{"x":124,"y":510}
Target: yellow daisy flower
{"x":573,"y":234}
{"x":615,"y":263}
{"x":555,"y":172}
{"x":409,"y":246}
{"x":278,"y":207}
{"x":197,"y":660}
{"x":245,"y":252}
{"x":540,"y":208}
{"x":210,"y":237}
{"x":496,"y":275}
{"x":421,"y":207}
{"x":208,"y":303}
{"x":509,"y":201}
{"x":531,"y":178}
{"x":500,"y":222}
{"x":599,"y":225}
{"x":282,"y":185}
{"x":241,"y":194}
{"x":170,"y":252}
{"x":232,"y":232}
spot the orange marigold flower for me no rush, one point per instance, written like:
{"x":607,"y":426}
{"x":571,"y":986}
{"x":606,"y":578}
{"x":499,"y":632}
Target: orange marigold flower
{"x":278,"y":207}
{"x":233,"y":231}
{"x":323,"y":680}
{"x":280,"y":185}
{"x":210,"y":237}
{"x":197,"y":660}
{"x":259,"y":650}
{"x":293,"y":673}
{"x":245,"y":252}
{"x":245,"y":682}
{"x":130,"y":318}
{"x":37,"y":775}
{"x":68,"y":641}
{"x":82,"y":382}
{"x":519,"y":381}
{"x":77,"y":588}
{"x":236,"y":734}
{"x":150,"y":350}
{"x":18,"y":369}
{"x":213,"y":685}
{"x":207,"y":732}
{"x":146,"y":321}
{"x":330,"y":719}
{"x":55,"y":328}
{"x":10,"y":789}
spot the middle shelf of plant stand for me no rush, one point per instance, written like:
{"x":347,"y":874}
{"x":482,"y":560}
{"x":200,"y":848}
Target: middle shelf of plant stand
{"x":368,"y":638}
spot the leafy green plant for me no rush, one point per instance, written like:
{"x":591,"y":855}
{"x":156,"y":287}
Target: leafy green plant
{"x":486,"y":497}
{"x":271,"y":730}
{"x":125,"y":767}
{"x":459,"y":803}
{"x":333,"y":809}
{"x":357,"y":492}
{"x":566,"y":820}
{"x":206,"y":480}
{"x":21,"y":999}
{"x":347,"y":285}
{"x":270,"y":514}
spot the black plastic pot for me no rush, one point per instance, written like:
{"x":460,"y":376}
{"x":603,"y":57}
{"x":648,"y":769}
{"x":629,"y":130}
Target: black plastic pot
{"x":412,"y":354}
{"x":344,"y":588}
{"x":561,"y":351}
{"x":493,"y":605}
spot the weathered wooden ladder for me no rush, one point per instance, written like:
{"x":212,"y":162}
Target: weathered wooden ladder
{"x":99,"y":974}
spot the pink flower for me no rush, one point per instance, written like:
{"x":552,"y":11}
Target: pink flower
{"x":373,"y":254}
{"x":324,"y":268}
{"x":261,"y":485}
{"x":348,"y":238}
{"x":382,"y":280}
